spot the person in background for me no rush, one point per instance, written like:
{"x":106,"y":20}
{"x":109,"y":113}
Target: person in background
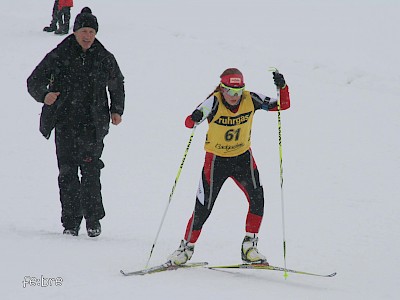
{"x":73,"y":80}
{"x":229,"y":110}
{"x":61,"y":15}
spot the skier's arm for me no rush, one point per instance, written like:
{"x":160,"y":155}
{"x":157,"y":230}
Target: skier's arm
{"x":280,"y":83}
{"x":200,"y":113}
{"x":285,"y":100}
{"x":266,"y":103}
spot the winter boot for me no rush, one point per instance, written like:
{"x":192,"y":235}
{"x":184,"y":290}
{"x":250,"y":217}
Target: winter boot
{"x":250,"y":252}
{"x":62,"y":30}
{"x":71,"y":231}
{"x":93,"y":228}
{"x":52,"y":27}
{"x":183,"y":254}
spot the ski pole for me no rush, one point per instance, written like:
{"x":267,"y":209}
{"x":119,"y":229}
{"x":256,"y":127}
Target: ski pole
{"x":278,"y":96}
{"x":172,"y":193}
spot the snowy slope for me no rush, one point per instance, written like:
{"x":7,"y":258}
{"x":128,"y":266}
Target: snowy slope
{"x":340,"y":151}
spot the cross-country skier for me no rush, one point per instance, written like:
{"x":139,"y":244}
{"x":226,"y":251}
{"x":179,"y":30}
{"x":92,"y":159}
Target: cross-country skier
{"x":229,"y":110}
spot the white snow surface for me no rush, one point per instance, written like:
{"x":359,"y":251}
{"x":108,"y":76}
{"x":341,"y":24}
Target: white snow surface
{"x":340,"y":139}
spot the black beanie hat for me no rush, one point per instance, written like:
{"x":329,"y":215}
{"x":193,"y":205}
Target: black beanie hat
{"x":86,"y":19}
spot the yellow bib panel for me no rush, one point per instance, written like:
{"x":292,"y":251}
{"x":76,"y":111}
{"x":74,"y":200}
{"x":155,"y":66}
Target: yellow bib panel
{"x":229,"y":133}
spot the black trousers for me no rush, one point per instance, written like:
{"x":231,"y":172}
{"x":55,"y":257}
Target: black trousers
{"x":54,"y":15}
{"x":80,"y":194}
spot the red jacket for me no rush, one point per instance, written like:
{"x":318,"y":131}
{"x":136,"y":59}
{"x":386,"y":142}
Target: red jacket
{"x":65,"y":3}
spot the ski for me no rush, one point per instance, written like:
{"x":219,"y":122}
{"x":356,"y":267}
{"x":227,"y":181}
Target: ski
{"x":268,"y":267}
{"x":163,"y":267}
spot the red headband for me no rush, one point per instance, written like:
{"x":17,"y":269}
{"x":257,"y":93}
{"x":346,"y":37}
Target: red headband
{"x":233,"y":80}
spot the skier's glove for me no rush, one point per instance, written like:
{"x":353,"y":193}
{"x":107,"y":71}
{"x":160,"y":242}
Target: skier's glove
{"x":194,"y":118}
{"x":197,"y":115}
{"x":279,"y":80}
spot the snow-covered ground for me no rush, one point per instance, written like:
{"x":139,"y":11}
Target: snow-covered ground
{"x":341,"y":153}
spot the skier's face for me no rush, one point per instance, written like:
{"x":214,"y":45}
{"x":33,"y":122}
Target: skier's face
{"x":85,"y":37}
{"x":232,"y":100}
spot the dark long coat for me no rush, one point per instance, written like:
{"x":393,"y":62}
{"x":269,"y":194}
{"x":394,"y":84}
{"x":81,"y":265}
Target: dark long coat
{"x":82,"y":78}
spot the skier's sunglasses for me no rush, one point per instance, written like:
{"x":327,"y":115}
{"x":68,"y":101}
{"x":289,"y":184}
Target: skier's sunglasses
{"x":233,"y":91}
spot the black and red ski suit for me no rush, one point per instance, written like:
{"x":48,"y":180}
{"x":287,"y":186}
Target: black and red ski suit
{"x":241,"y":168}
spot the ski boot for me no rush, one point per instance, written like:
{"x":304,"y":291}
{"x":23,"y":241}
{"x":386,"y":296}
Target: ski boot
{"x":250,"y":252}
{"x":183,"y":254}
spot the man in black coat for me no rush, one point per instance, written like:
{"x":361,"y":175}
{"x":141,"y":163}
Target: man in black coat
{"x":72,"y":82}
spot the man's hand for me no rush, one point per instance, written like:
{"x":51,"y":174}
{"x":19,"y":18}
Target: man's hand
{"x":51,"y":97}
{"x":116,"y":118}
